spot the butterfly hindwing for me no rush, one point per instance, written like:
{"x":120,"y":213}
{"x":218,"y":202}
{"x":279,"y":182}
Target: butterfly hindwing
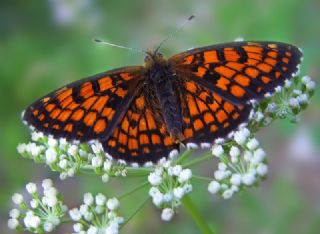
{"x":207,"y":116}
{"x":141,"y":136}
{"x":239,"y":71}
{"x":86,"y":109}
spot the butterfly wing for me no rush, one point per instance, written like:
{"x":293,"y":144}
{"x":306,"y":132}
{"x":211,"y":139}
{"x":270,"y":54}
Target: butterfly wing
{"x":239,"y":71}
{"x":86,"y":109}
{"x":141,"y":136}
{"x":207,"y":116}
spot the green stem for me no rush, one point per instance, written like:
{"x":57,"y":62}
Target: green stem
{"x":135,"y":212}
{"x":133,"y":190}
{"x":205,"y":156}
{"x":195,"y":215}
{"x":184,"y":156}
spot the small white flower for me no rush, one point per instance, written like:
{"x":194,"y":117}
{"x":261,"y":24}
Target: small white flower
{"x":13,"y":223}
{"x":235,"y":179}
{"x":305,"y":79}
{"x":157,"y":199}
{"x":31,"y":188}
{"x":271,"y":107}
{"x":92,"y":230}
{"x":113,"y":203}
{"x":214,"y":187}
{"x":294,"y":102}
{"x":185,"y":175}
{"x":105,"y":178}
{"x":34,"y":203}
{"x":14,"y":213}
{"x":73,"y":150}
{"x":167,"y":197}
{"x":71,"y":172}
{"x":52,"y":142}
{"x":77,"y":227}
{"x":247,"y":155}
{"x":35,"y":221}
{"x":311,"y":85}
{"x":51,"y":155}
{"x":153,"y":191}
{"x":22,"y":148}
{"x":107,"y":165}
{"x":252,"y":144}
{"x":75,"y":214}
{"x":262,"y":169}
{"x":303,"y":98}
{"x":97,"y":147}
{"x":258,"y":156}
{"x":100,"y":199}
{"x":258,"y":116}
{"x":17,"y":198}
{"x":217,"y":150}
{"x":234,"y":151}
{"x":248,"y":179}
{"x":239,"y":137}
{"x":227,"y":194}
{"x":63,"y":164}
{"x":88,"y":199}
{"x":35,"y":136}
{"x":34,"y":150}
{"x":278,"y":89}
{"x":222,"y":166}
{"x":96,"y":162}
{"x":154,"y":179}
{"x":220,"y":175}
{"x":51,"y":201}
{"x":187,"y":188}
{"x":50,"y":192}
{"x":167,"y":214}
{"x":287,"y":83}
{"x":178,"y":192}
{"x":48,"y":227}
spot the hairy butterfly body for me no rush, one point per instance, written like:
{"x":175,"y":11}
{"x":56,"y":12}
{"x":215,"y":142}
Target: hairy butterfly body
{"x":142,"y":113}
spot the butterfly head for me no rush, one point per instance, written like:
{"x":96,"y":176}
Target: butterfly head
{"x":153,"y":58}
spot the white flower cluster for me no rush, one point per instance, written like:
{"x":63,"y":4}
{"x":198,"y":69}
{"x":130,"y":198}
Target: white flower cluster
{"x":242,"y":164}
{"x":170,"y":183}
{"x":96,"y":215}
{"x":287,"y":101}
{"x":68,"y":159}
{"x":43,"y":214}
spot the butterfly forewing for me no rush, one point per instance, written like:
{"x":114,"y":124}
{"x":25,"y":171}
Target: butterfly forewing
{"x":239,"y":71}
{"x":86,"y":109}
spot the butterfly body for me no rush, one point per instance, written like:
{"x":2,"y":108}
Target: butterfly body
{"x":160,"y":78}
{"x":142,"y":113}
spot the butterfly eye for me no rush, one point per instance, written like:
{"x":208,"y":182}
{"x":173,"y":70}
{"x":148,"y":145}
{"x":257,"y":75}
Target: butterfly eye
{"x":147,"y":59}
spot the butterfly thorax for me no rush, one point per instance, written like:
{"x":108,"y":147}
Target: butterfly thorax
{"x":160,"y":78}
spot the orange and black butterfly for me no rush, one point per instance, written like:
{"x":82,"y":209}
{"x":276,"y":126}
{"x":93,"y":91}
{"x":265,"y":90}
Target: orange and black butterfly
{"x":142,"y":113}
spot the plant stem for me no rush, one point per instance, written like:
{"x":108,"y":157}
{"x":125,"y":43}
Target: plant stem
{"x":133,"y":190}
{"x":205,"y":156}
{"x":195,"y":215}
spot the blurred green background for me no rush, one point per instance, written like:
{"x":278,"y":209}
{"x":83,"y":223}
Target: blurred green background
{"x":45,"y":44}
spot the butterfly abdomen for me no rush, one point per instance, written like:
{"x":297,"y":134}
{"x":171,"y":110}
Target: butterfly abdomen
{"x":161,"y":79}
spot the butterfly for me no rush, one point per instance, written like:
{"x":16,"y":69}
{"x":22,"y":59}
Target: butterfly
{"x":143,"y":113}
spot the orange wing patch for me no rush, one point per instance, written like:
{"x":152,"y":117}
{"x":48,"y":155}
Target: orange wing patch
{"x":239,"y":71}
{"x":141,"y":135}
{"x":83,"y":110}
{"x":209,"y":116}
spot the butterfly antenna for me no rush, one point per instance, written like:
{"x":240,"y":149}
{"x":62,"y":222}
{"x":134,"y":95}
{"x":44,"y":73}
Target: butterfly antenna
{"x":118,"y":46}
{"x":174,"y":32}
